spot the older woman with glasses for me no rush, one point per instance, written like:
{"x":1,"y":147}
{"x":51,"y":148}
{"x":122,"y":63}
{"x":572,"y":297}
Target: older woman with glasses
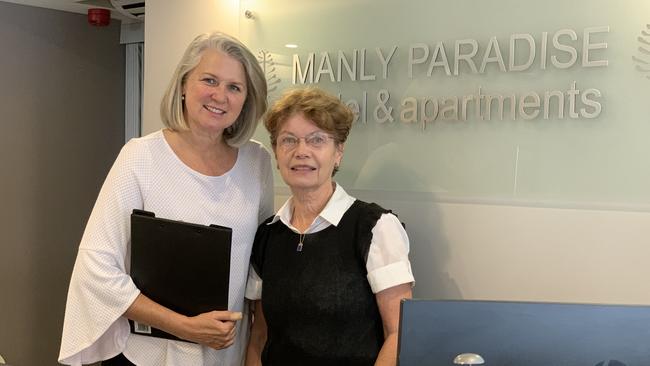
{"x":330,"y":270}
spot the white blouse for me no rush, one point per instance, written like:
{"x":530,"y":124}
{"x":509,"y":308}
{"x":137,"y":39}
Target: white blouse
{"x":148,"y":175}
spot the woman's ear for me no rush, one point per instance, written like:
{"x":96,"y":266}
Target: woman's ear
{"x":275,"y":156}
{"x":339,"y":153}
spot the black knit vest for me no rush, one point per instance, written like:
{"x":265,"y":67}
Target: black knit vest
{"x":318,"y":305}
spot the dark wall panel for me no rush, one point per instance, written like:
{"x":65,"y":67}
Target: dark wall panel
{"x":62,"y":118}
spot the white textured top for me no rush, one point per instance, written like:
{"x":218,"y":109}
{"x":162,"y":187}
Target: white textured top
{"x":388,"y":264}
{"x":148,"y":175}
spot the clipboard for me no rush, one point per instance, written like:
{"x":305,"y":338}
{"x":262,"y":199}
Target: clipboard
{"x":182,"y":266}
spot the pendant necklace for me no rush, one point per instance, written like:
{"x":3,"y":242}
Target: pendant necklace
{"x":301,"y":239}
{"x":301,"y":236}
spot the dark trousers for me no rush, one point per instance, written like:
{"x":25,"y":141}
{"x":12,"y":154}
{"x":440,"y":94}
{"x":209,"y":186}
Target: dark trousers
{"x":118,"y":360}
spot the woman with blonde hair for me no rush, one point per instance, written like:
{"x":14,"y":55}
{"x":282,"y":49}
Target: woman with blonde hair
{"x":201,"y":168}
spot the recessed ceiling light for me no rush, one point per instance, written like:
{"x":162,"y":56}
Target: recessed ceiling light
{"x":291,"y":45}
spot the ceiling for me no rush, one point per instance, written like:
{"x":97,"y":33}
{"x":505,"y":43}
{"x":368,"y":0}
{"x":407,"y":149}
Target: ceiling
{"x":128,"y":11}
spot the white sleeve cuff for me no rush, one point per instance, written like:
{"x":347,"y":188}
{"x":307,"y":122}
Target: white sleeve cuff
{"x":391,"y":275}
{"x":253,"y":285}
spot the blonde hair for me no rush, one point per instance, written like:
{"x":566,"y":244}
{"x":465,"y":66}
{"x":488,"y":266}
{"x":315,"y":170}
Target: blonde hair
{"x":172,"y":105}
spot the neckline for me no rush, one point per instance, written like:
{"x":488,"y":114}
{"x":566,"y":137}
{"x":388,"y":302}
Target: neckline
{"x":331,"y":226}
{"x":197,"y":173}
{"x":327,"y":202}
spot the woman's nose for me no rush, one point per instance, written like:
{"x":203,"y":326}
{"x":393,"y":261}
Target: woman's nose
{"x":219,"y":93}
{"x":302,"y":148}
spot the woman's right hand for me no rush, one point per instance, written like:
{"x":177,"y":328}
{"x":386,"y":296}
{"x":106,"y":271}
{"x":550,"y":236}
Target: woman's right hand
{"x":214,"y":329}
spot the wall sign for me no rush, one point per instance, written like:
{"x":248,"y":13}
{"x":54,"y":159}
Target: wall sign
{"x":490,"y":101}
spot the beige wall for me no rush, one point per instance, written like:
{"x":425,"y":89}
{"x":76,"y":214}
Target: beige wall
{"x":62,"y":105}
{"x":169,"y":28}
{"x":461,"y":249}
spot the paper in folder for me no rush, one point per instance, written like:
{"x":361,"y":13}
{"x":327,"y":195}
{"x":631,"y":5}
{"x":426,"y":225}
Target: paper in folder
{"x":182,"y":266}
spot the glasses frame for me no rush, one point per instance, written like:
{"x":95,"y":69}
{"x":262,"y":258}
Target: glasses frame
{"x":281,"y":142}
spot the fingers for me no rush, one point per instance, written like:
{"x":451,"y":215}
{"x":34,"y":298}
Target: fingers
{"x":223,"y":329}
{"x":219,"y":346}
{"x":215,"y":329}
{"x":225,"y":340}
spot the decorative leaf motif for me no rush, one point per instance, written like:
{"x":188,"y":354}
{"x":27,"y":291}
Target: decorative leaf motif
{"x":265,"y":59}
{"x":642,"y":59}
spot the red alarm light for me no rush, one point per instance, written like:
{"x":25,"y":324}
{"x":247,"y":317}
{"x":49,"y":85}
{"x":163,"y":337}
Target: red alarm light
{"x":99,"y":17}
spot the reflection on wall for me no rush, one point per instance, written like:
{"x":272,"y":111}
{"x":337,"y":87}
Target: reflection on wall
{"x":542,"y":103}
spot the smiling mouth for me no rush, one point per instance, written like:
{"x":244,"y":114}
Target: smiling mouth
{"x":214,"y":109}
{"x":303,"y":168}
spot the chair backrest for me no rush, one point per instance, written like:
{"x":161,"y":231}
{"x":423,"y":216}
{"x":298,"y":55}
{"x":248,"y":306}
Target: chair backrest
{"x":523,"y":333}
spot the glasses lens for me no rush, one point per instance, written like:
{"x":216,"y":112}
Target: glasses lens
{"x":316,"y":140}
{"x":288,"y":142}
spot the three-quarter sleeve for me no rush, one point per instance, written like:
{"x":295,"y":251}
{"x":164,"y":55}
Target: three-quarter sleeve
{"x":100,"y":289}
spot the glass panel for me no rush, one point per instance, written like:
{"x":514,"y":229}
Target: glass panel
{"x":434,"y":82}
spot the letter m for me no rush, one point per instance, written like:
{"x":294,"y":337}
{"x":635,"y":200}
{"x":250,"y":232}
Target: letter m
{"x":309,"y":70}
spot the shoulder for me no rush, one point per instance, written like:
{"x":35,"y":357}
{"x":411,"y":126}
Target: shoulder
{"x":139,"y":149}
{"x":376,"y":218}
{"x":370,"y":208}
{"x":266,"y":227}
{"x":255,"y":150}
{"x":253,"y":156}
{"x":132,"y":167}
{"x":264,"y":232}
{"x":135,"y":161}
{"x":255,"y":160}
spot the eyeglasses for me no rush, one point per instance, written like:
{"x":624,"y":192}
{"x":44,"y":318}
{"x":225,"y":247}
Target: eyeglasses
{"x":315,"y":140}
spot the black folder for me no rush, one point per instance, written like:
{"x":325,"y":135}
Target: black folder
{"x":182,"y":266}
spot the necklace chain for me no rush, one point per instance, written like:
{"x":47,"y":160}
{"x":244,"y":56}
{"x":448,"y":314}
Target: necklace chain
{"x":301,"y":236}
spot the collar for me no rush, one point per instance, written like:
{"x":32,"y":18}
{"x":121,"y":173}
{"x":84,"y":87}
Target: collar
{"x":333,"y":211}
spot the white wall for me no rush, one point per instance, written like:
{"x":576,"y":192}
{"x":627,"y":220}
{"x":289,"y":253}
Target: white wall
{"x":478,"y":251}
{"x":459,"y":250}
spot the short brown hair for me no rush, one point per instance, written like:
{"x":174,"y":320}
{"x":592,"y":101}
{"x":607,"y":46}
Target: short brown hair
{"x":325,"y":110}
{"x":171,"y":106}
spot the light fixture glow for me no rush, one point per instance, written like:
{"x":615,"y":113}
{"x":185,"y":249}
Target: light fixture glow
{"x":291,"y":45}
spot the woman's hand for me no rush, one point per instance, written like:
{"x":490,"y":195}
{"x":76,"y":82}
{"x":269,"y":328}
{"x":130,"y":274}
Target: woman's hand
{"x":215,"y":329}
